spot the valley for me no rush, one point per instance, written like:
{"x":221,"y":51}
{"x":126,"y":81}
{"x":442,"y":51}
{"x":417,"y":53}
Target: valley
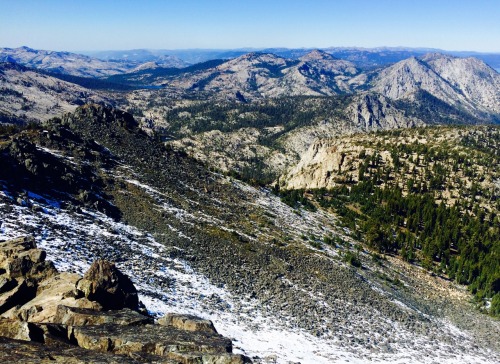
{"x":316,"y":210}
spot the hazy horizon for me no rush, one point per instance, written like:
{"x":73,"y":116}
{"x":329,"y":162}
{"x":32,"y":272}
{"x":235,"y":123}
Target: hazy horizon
{"x":93,"y":25}
{"x":250,"y":49}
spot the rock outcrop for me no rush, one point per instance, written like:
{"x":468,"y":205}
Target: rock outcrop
{"x":62,"y":317}
{"x":104,"y":283}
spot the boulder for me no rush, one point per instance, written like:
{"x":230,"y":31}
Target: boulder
{"x":105,"y":284}
{"x":20,"y":258}
{"x":187,"y":322}
{"x":27,"y":331}
{"x":94,"y":319}
{"x":15,"y":329}
{"x":156,"y":340}
{"x":50,"y":293}
{"x":10,"y":247}
{"x":195,"y":358}
{"x":73,"y":316}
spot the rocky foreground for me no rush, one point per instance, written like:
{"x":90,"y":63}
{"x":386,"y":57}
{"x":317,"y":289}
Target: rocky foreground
{"x":46,"y":315}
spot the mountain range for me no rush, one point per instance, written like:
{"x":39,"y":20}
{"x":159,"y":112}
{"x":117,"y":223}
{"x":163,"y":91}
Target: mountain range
{"x":466,"y":85}
{"x":28,"y":95}
{"x":76,"y":64}
{"x":362,"y":57}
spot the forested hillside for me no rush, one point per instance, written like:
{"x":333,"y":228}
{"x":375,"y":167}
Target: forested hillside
{"x":428,"y":195}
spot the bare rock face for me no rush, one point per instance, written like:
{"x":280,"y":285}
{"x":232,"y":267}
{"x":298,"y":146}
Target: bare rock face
{"x":20,"y":258}
{"x":73,"y":316}
{"x":105,"y":284}
{"x":17,"y":351}
{"x":187,"y":322}
{"x":64,"y":318}
{"x":14,"y":329}
{"x":21,"y":292}
{"x":154,"y":339}
{"x":50,"y":293}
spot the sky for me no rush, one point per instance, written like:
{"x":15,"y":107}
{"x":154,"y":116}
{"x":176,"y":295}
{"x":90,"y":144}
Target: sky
{"x":92,"y":25}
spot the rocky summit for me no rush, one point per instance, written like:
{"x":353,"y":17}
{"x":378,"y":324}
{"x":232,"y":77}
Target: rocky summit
{"x":65,"y":318}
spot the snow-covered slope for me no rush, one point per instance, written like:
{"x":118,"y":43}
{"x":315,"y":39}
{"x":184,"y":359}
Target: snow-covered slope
{"x":167,"y":283}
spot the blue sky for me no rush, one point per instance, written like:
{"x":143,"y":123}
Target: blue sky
{"x":162,"y":24}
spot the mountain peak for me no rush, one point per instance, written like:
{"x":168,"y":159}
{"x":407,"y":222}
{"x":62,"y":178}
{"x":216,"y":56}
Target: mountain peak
{"x":435,"y":55}
{"x":255,"y":58}
{"x":317,"y":54}
{"x":145,"y":66}
{"x":27,"y":49}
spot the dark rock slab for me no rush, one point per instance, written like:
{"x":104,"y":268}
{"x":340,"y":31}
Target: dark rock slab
{"x":23,"y":292}
{"x":187,"y":322}
{"x":81,"y":317}
{"x":16,"y":351}
{"x":6,"y":284}
{"x":152,"y":339}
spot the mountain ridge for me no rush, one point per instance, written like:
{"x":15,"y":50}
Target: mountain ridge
{"x":363,"y":57}
{"x":472,"y":86}
{"x":73,"y":63}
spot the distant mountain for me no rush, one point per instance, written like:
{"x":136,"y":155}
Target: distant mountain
{"x":105,"y":63}
{"x":150,"y":73}
{"x":437,"y":87}
{"x":29,"y":95}
{"x":366,"y":58}
{"x":62,"y":62}
{"x":442,"y":87}
{"x":140,"y":56}
{"x":476,"y":80}
{"x":256,"y":75}
{"x":467,"y":84}
{"x":188,"y":56}
{"x":82,"y":65}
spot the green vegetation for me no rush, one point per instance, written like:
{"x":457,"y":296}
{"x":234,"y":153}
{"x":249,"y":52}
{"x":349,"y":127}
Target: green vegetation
{"x":290,"y":112}
{"x":90,"y":82}
{"x":433,"y":110}
{"x":296,"y":198}
{"x":464,"y":245}
{"x":149,"y":76}
{"x":403,"y":205}
{"x":352,"y":259}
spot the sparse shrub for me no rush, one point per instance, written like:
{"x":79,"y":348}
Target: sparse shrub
{"x":495,"y":305}
{"x":316,"y":245}
{"x":352,"y":259}
{"x":377,"y":258}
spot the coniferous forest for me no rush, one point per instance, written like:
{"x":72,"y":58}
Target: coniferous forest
{"x":427,"y":203}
